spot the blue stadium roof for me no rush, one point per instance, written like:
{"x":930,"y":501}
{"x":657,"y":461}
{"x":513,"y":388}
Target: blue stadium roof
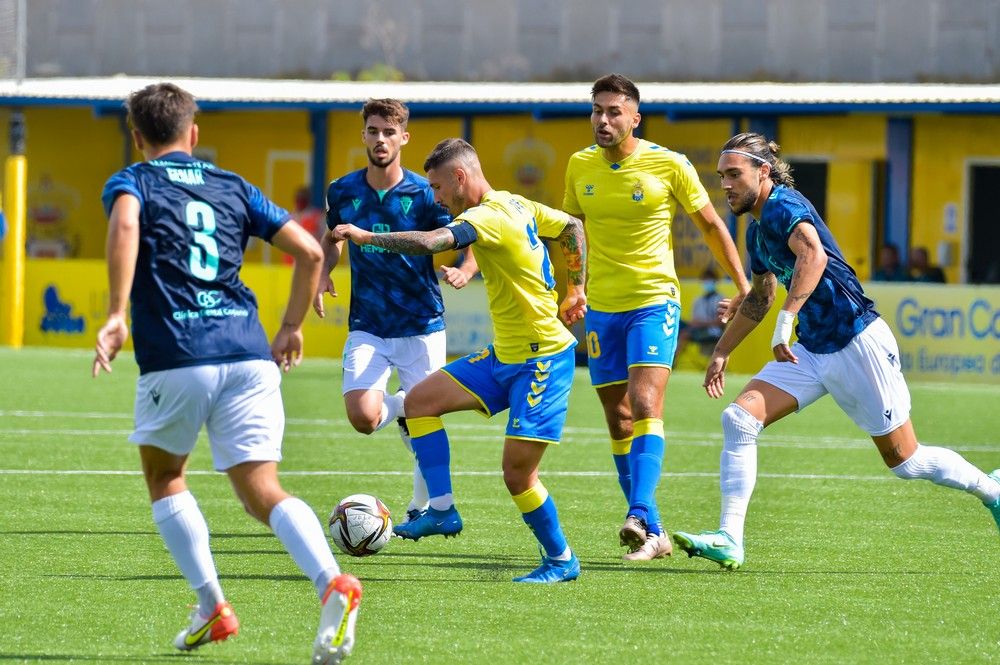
{"x":677,"y":100}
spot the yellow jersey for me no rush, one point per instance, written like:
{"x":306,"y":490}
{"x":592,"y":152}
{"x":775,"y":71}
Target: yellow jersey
{"x":515,"y":265}
{"x":628,"y":208}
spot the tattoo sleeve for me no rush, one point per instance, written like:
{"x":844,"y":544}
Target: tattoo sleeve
{"x":574,"y":248}
{"x":758,"y":302}
{"x":415,"y":242}
{"x":795,"y":293}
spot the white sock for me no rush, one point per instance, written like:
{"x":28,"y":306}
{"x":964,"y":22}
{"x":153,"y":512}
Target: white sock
{"x":297,"y":527}
{"x":443,"y":502}
{"x":943,"y":466}
{"x":420,"y":496}
{"x":185,"y":533}
{"x":392,"y":408}
{"x":737,"y":468}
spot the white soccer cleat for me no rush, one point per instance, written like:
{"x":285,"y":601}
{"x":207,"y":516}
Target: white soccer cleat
{"x":335,"y":637}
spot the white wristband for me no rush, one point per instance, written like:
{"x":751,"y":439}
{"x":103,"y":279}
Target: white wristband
{"x":783,"y":328}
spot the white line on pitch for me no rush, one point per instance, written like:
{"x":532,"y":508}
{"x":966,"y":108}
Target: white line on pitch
{"x":563,"y":474}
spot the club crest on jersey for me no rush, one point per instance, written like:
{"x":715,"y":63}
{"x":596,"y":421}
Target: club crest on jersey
{"x":405,"y":202}
{"x":637,"y":193}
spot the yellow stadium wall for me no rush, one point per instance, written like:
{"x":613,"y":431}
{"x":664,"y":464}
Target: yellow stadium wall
{"x":944,"y":146}
{"x":852,"y":146}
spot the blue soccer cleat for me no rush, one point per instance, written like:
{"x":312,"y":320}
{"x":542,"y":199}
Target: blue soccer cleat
{"x":717,"y":546}
{"x":995,"y":506}
{"x":553,"y":570}
{"x":431,"y":523}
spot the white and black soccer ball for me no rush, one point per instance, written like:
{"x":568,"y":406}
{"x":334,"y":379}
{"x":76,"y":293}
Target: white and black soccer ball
{"x":360,"y":525}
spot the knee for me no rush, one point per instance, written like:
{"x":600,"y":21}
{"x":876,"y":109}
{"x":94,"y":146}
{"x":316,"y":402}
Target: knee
{"x":362,"y":422}
{"x":517,"y":477}
{"x":739,"y":426}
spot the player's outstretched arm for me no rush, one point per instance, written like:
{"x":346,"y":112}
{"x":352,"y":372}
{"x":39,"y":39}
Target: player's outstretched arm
{"x":752,"y":311}
{"x":401,"y":242}
{"x":122,"y":249}
{"x":724,"y":250}
{"x":573,"y":243}
{"x":286,"y":348}
{"x":810,"y":262}
{"x":331,"y":257}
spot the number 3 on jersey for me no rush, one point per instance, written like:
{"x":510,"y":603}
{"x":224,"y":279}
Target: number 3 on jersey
{"x":535,"y":242}
{"x":204,"y":262}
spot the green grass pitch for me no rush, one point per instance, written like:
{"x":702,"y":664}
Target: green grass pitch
{"x":845,"y":563}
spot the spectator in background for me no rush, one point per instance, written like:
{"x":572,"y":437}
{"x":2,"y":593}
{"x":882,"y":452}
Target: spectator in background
{"x":308,"y":216}
{"x":889,"y":269}
{"x":921,"y":269}
{"x":705,"y":326}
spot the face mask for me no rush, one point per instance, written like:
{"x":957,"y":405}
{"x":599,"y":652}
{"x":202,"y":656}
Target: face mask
{"x":709,"y":286}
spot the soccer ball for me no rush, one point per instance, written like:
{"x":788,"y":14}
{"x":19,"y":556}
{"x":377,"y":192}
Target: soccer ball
{"x":360,"y":525}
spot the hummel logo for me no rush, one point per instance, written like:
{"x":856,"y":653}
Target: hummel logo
{"x":653,"y":350}
{"x":156,"y":397}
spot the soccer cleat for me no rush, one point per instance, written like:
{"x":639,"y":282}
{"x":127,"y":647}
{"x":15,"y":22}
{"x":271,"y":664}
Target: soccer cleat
{"x":335,"y":637}
{"x":553,"y":570}
{"x":995,"y":506}
{"x":431,"y":523}
{"x":412,"y":514}
{"x":656,"y":546}
{"x":215,"y":628}
{"x":717,"y":546}
{"x":633,"y":534}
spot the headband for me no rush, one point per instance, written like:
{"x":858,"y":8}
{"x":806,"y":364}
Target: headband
{"x":747,"y":154}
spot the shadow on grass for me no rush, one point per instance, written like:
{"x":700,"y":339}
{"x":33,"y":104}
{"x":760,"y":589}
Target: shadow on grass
{"x":71,"y":532}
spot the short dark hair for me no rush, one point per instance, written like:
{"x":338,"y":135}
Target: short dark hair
{"x":392,"y":110}
{"x":160,"y":112}
{"x":765,"y":152}
{"x":618,"y":84}
{"x":448,"y":150}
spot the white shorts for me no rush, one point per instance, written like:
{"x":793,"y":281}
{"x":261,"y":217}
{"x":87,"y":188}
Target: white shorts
{"x":239,"y":403}
{"x":864,"y":379}
{"x":368,"y":360}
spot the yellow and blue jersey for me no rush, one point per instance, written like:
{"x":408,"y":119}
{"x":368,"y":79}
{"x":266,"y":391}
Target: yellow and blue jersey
{"x":517,"y":272}
{"x":629,"y":207}
{"x":189,"y":306}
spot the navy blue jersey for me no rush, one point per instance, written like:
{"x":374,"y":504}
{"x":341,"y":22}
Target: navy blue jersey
{"x":392,"y":295}
{"x":838,"y":309}
{"x":189,"y":306}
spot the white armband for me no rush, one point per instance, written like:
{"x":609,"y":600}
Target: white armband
{"x":783,"y":328}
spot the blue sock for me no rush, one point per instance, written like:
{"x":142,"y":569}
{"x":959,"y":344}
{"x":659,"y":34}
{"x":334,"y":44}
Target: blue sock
{"x":619,"y":453}
{"x":430,"y":445}
{"x":538,"y":511}
{"x":646,"y":461}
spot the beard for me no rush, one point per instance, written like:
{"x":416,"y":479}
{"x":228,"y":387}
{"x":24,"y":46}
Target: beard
{"x":743,"y":203}
{"x":378,"y":161}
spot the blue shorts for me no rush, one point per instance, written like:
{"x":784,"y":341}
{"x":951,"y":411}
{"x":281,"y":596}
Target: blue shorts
{"x":536,"y":391}
{"x":640,"y":337}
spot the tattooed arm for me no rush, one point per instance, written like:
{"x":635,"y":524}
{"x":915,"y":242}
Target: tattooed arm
{"x":401,"y":242}
{"x":810,"y":262}
{"x":574,"y":248}
{"x":752,"y":311}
